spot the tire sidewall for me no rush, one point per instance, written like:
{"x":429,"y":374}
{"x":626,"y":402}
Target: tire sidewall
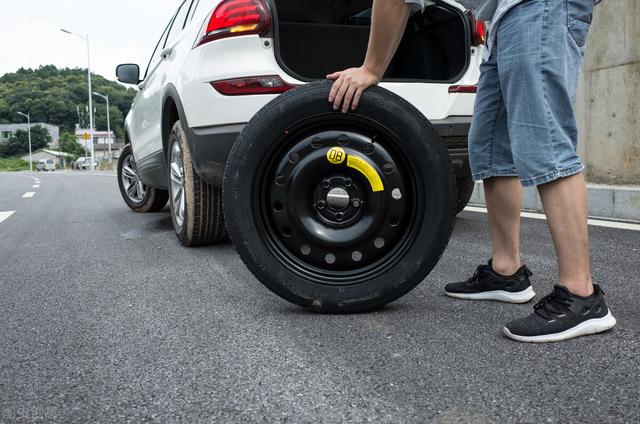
{"x":434,"y":221}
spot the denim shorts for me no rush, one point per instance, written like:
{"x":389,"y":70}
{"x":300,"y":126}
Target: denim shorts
{"x":524,"y":124}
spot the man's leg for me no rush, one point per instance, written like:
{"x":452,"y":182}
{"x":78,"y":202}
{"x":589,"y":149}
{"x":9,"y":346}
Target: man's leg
{"x":539,"y":58}
{"x":503,"y":278}
{"x":576,"y":307}
{"x":504,"y":201}
{"x":565,"y":204}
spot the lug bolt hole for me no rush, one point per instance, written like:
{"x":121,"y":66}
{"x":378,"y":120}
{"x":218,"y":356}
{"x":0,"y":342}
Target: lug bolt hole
{"x":394,"y":221}
{"x":321,"y":204}
{"x":388,"y":168}
{"x":326,"y":183}
{"x":287,"y":231}
{"x":339,"y":216}
{"x":305,"y":250}
{"x":379,"y":243}
{"x":278,"y":206}
{"x":356,"y":256}
{"x":280,"y":180}
{"x":343,"y":140}
{"x":348,"y":182}
{"x":316,"y":143}
{"x":294,"y":158}
{"x":330,"y":258}
{"x":369,"y":148}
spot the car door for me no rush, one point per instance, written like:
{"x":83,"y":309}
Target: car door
{"x":146,"y":131}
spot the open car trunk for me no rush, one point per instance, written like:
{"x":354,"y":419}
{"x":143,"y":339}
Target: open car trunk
{"x":318,"y":37}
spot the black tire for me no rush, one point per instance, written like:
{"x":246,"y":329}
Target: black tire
{"x":428,"y":211}
{"x":153,"y":199}
{"x":465,"y":185}
{"x":201,"y":222}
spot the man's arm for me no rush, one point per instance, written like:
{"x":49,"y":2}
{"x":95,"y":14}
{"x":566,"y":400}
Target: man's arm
{"x":388,"y":21}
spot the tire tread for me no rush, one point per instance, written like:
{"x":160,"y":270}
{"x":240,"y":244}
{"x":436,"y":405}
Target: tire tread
{"x":207,"y":220}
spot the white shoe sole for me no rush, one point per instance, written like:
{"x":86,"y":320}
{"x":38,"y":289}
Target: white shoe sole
{"x":500,"y":295}
{"x":592,"y":326}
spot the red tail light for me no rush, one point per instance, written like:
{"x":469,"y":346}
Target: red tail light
{"x":463,"y":89}
{"x":479,"y":29}
{"x":237,"y":17}
{"x":272,"y":84}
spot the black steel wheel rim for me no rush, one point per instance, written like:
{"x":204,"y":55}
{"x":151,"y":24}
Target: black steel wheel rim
{"x":337,"y":220}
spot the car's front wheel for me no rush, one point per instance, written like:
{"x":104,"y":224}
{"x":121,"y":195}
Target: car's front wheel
{"x":138,"y":196}
{"x":196,"y":206}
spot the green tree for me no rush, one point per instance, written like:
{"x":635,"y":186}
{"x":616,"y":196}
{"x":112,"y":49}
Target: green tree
{"x":69,"y":144}
{"x":18,"y":144}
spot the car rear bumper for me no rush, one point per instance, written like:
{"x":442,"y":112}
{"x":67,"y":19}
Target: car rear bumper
{"x":454,"y":132}
{"x":210,"y":146}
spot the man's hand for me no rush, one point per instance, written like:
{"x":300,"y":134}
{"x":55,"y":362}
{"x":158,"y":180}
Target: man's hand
{"x":349,"y":86}
{"x":388,"y":21}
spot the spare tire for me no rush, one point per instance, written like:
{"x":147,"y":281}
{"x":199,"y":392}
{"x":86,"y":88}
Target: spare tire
{"x":338,"y":212}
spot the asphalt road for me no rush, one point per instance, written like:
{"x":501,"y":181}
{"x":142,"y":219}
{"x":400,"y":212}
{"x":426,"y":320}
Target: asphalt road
{"x":104,"y":317}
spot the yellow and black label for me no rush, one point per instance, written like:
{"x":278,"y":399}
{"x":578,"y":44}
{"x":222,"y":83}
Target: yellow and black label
{"x":367,"y":170}
{"x":336,"y":155}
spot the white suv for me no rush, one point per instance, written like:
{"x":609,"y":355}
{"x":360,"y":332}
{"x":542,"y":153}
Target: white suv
{"x":336,"y":203}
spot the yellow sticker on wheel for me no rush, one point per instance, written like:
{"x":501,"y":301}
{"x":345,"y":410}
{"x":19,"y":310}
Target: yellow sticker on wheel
{"x":367,"y":170}
{"x":336,"y":155}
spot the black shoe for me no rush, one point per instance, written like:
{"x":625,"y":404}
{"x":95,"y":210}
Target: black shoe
{"x":562,"y":315}
{"x":486,"y":284}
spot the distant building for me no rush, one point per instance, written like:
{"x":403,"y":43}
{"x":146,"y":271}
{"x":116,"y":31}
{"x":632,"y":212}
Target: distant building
{"x":61,"y":159}
{"x":8,"y":130}
{"x":101,"y":142}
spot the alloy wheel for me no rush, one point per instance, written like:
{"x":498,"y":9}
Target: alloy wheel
{"x":177,"y":183}
{"x":134,"y":188}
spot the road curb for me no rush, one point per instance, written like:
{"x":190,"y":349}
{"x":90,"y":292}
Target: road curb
{"x":605,"y":201}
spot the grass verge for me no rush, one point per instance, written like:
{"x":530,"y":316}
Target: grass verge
{"x":13,"y":164}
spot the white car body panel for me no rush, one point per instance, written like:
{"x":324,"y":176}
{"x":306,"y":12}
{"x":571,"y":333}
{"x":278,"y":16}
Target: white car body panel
{"x":191,"y":70}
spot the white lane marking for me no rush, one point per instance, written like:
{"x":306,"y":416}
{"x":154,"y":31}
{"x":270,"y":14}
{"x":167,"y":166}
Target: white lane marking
{"x":594,"y":222}
{"x":29,"y":194}
{"x":5,"y":215}
{"x":36,"y":186}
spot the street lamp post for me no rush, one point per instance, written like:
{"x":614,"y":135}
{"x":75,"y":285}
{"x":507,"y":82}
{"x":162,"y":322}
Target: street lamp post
{"x":108,"y":122}
{"x":28,"y":116}
{"x":86,"y":38}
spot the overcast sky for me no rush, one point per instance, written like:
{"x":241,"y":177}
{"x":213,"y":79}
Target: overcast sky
{"x":121,"y":31}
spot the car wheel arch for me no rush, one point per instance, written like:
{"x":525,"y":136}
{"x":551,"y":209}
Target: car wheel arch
{"x":172,"y":111}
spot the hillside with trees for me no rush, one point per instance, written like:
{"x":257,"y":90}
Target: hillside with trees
{"x":55,"y":96}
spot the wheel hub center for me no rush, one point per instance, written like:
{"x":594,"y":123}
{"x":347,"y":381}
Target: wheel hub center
{"x":338,"y":198}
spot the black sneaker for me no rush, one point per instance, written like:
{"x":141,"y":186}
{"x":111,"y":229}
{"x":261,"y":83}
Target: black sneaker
{"x":486,"y":284}
{"x":562,"y":315}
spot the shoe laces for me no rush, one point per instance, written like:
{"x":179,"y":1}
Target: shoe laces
{"x":477,"y":276}
{"x":553,"y":304}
